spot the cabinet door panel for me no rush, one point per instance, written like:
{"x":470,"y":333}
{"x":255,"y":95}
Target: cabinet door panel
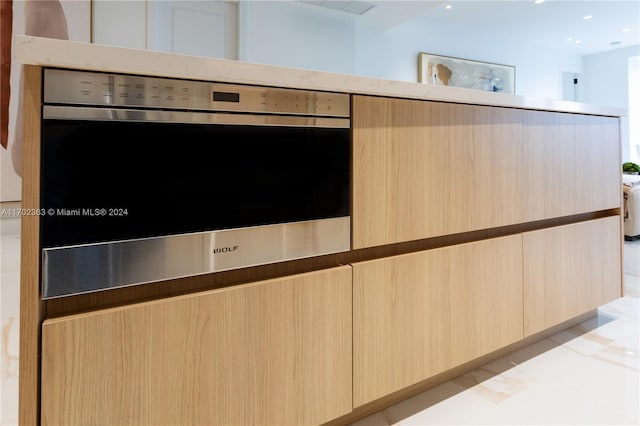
{"x":570,"y":270}
{"x":420,"y":314}
{"x":572,"y":164}
{"x":423,"y":169}
{"x":275,"y":352}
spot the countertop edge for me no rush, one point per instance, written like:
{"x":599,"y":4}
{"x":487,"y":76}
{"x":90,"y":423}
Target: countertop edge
{"x":95,"y":57}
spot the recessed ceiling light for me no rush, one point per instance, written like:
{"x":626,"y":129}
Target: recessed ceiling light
{"x":448,"y":6}
{"x":626,"y":30}
{"x":539,"y":1}
{"x":569,"y":39}
{"x":578,"y":42}
{"x":587,"y":17}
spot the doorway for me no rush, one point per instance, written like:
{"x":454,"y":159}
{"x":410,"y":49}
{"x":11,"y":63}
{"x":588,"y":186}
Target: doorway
{"x":200,"y":28}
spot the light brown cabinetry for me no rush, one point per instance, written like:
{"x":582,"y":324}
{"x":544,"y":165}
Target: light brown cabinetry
{"x":572,"y":164}
{"x":310,"y":348}
{"x":420,"y":314}
{"x":274,"y":352}
{"x":570,"y":270}
{"x":423,"y":169}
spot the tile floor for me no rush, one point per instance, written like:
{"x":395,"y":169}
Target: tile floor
{"x":589,"y":374}
{"x":9,"y":319}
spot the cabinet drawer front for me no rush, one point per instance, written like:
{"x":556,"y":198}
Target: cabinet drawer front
{"x":572,"y":164}
{"x":420,"y":314}
{"x":275,"y":352}
{"x":424,"y":169}
{"x":570,"y":270}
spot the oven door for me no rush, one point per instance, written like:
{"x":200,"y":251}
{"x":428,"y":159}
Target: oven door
{"x":123,"y":184}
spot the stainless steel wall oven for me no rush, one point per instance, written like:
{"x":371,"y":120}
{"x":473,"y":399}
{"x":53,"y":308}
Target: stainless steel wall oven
{"x":147,"y":178}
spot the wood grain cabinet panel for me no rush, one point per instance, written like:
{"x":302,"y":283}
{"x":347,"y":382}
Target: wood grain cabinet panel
{"x":423,"y":169}
{"x":275,"y":352}
{"x":32,"y":308}
{"x":572,"y":164}
{"x":570,"y":270}
{"x":420,"y":314}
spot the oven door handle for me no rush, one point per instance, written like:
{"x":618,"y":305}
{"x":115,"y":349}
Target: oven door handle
{"x":56,"y":112}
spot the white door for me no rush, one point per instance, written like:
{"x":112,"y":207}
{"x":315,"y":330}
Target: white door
{"x":201,"y":28}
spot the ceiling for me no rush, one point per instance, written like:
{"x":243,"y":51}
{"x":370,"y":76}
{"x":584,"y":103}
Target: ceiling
{"x":553,"y":24}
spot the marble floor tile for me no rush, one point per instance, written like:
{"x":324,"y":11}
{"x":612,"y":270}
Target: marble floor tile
{"x":632,"y":257}
{"x":539,"y":403}
{"x":9,"y":319}
{"x":597,"y":378}
{"x":631,"y":285}
{"x":631,"y":268}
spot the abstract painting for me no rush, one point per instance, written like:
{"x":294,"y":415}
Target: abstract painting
{"x":456,"y":72}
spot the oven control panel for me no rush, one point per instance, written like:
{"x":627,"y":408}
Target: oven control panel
{"x":120,"y":90}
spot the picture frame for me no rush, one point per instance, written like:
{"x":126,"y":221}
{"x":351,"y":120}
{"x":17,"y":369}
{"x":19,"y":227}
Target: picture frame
{"x":457,"y":72}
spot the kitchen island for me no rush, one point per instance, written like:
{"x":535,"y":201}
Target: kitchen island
{"x":471,"y":236}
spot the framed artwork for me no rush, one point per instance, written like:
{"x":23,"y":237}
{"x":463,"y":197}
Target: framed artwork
{"x":456,"y":72}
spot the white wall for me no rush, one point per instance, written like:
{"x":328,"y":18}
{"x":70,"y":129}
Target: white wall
{"x":297,"y":35}
{"x":606,"y":83}
{"x":605,"y":76}
{"x":394,"y":55}
{"x":304,"y":36}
